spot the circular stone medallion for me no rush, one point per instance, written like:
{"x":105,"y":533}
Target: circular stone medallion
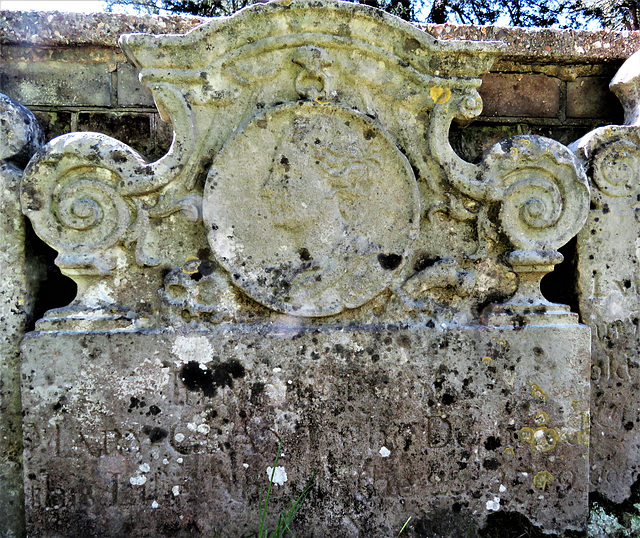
{"x":311,"y":208}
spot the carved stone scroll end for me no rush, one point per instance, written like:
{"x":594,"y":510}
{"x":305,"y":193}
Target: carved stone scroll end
{"x":72,"y":191}
{"x":544,"y":199}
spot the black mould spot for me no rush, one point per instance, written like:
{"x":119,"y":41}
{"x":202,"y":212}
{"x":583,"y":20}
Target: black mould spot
{"x":448,"y":399}
{"x":404,"y":341}
{"x":628,"y":426}
{"x":196,"y":378}
{"x":154,"y":410}
{"x":256,"y":391}
{"x":627,"y":284}
{"x":491,"y":464}
{"x":135,"y":403}
{"x":492,"y":443}
{"x":304,"y":254}
{"x":369,"y":134}
{"x":423,"y":262}
{"x":389,"y":262}
{"x":206,"y":267}
{"x":155,"y":433}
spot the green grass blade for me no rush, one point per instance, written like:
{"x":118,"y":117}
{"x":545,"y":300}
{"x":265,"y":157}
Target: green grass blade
{"x":404,"y":526}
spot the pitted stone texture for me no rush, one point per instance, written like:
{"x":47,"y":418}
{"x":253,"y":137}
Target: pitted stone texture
{"x":609,"y":281}
{"x":159,"y":434}
{"x":21,"y":136}
{"x":609,"y":284}
{"x":317,"y":227}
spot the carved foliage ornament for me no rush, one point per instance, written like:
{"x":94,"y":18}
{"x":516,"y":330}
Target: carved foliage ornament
{"x":312,"y":141}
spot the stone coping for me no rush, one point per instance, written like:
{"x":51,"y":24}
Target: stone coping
{"x":57,"y":29}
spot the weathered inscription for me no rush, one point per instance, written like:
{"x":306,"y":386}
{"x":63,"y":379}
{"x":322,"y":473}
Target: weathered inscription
{"x":397,"y":424}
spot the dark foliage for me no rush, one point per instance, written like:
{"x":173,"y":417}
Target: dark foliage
{"x":615,"y":14}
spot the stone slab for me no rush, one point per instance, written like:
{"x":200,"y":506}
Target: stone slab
{"x":57,"y":83}
{"x":171,"y":433}
{"x":21,"y":136}
{"x":609,"y":280}
{"x":130,"y":91}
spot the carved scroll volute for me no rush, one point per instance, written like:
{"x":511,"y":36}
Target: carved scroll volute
{"x":544,"y":201}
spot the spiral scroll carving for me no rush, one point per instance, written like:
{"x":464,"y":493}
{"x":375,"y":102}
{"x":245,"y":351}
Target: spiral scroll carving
{"x":615,"y":168}
{"x":93,"y":215}
{"x":543,"y":190}
{"x":71,"y":194}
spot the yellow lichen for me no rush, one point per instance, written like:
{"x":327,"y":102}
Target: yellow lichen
{"x":537,"y":392}
{"x":541,"y":418}
{"x":440,"y":95}
{"x":191,"y":265}
{"x":541,"y":479}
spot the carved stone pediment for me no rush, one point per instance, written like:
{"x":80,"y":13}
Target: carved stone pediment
{"x":310,"y":174}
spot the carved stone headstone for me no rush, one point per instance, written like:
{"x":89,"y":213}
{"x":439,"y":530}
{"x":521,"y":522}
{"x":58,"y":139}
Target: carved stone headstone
{"x":609,"y":280}
{"x":310,"y":265}
{"x":21,"y":136}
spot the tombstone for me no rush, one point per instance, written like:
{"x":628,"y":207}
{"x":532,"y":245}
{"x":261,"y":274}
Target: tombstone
{"x":608,"y":291}
{"x":310,"y":271}
{"x":21,"y":137}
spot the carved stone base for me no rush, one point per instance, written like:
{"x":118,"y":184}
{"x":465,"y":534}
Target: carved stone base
{"x":173,"y":433}
{"x":528,"y":306}
{"x":74,"y":319}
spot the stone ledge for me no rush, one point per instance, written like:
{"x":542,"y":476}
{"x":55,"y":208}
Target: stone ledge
{"x":56,"y":29}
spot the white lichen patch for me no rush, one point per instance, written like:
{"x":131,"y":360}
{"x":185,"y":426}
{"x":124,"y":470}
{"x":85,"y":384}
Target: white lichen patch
{"x":276,"y":392}
{"x":192,"y":348}
{"x":385,"y":452}
{"x":175,"y":490}
{"x":144,"y":468}
{"x":277,"y":476}
{"x":493,"y":504}
{"x":154,"y":504}
{"x":138,"y":480}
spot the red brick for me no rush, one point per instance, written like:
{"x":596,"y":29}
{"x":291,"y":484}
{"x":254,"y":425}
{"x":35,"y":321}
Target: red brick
{"x":533,"y":96}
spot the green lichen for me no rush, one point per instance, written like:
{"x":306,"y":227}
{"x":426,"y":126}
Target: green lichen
{"x":606,"y":525}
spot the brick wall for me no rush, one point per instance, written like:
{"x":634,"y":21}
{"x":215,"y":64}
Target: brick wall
{"x":68,"y":69}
